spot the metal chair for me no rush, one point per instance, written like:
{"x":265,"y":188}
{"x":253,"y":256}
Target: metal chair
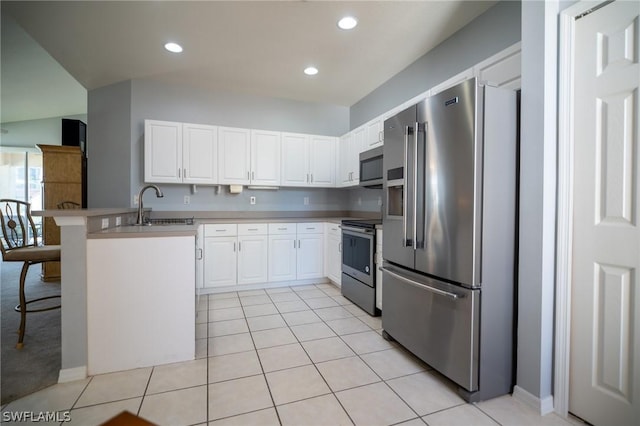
{"x":20,"y":244}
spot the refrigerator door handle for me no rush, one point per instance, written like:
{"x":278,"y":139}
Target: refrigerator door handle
{"x":404,"y":186}
{"x":415,"y":185}
{"x":422,"y":286}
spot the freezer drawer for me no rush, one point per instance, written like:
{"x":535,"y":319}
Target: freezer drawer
{"x":436,"y":321}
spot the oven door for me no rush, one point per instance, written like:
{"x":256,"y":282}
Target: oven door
{"x":358,"y":245}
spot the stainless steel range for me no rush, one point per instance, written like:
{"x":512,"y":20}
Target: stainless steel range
{"x":358,"y":264}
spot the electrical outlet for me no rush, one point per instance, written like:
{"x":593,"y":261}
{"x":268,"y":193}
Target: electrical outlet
{"x":187,"y":199}
{"x":118,"y":221}
{"x":306,"y":201}
{"x":105,"y":222}
{"x":135,"y":200}
{"x":252,"y":200}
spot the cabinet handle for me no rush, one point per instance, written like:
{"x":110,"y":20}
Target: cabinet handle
{"x":339,"y":247}
{"x":298,"y":243}
{"x":252,"y":229}
{"x":220,"y":230}
{"x":307,"y":177}
{"x":253,"y":175}
{"x":248,"y":175}
{"x":184,"y":172}
{"x":234,"y":247}
{"x":179,"y":172}
{"x":311,"y":228}
{"x":311,"y":177}
{"x":294,"y":243}
{"x":380,"y":137}
{"x":199,"y":255}
{"x":239,"y":246}
{"x":282,"y":229}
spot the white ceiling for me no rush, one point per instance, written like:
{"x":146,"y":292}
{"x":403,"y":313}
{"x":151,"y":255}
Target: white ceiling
{"x":258,"y":47}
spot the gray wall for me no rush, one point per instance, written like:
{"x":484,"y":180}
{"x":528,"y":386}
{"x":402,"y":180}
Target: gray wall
{"x":46,"y":131}
{"x":493,"y":31}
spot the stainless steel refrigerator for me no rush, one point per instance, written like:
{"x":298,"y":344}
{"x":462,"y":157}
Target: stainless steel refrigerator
{"x":449,"y":235}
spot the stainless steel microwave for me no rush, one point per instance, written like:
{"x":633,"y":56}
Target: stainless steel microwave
{"x":371,"y":168}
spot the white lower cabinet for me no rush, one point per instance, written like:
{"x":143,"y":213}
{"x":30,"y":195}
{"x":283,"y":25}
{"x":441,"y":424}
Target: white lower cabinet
{"x":252,"y":253}
{"x":220,"y":260}
{"x":296,"y":251}
{"x":333,"y":253}
{"x":310,"y":256}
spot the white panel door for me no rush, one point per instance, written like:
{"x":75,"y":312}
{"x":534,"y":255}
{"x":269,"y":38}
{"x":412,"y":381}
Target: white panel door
{"x":333,"y":257}
{"x":322,"y":161}
{"x":604,"y":384}
{"x":234,"y":155}
{"x":282,"y":257}
{"x":220,"y":261}
{"x":162,"y":151}
{"x":199,"y":154}
{"x":252,"y":259}
{"x":310,"y":257}
{"x":295,"y":159}
{"x":344,"y":149}
{"x":265,"y":158}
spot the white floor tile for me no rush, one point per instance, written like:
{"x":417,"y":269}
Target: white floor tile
{"x":255,"y":300}
{"x":508,"y":411}
{"x":426,"y":392}
{"x":348,"y":326}
{"x":393,"y":363}
{"x":277,"y":290}
{"x":180,"y":408}
{"x":234,"y":366}
{"x":373,"y":322}
{"x":225,"y":314}
{"x":98,"y":414}
{"x":313,"y":331}
{"x":461,"y":415}
{"x":327,"y":349}
{"x":266,"y":322}
{"x":201,"y":348}
{"x":321,"y":302}
{"x":202,"y":316}
{"x":346,"y":373}
{"x":58,"y":397}
{"x":284,"y":297}
{"x":260,"y":310}
{"x":201,"y":331}
{"x":178,"y":376}
{"x":374,"y":404}
{"x":319,"y":411}
{"x":331,"y":291}
{"x":230,"y":344}
{"x":355,"y":310}
{"x":273,"y":337}
{"x":228,"y":295}
{"x":299,"y":288}
{"x":115,"y":386}
{"x":301,"y":317}
{"x":281,"y":357}
{"x":251,"y":293}
{"x":310,"y":294}
{"x":238,"y":397}
{"x":292,"y":306}
{"x":342,"y":300}
{"x":336,"y":312}
{"x":295,"y":384}
{"x":233,"y":302}
{"x":266,"y":417}
{"x":225,"y":328}
{"x":366,"y":342}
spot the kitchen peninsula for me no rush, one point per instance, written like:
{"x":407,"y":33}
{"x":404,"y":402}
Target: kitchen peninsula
{"x":128,"y":296}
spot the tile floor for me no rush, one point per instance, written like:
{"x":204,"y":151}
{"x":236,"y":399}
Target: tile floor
{"x":292,"y":356}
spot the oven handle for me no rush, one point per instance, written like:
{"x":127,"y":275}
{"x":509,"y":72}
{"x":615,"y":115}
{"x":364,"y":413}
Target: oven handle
{"x":358,"y":230}
{"x":422,"y":286}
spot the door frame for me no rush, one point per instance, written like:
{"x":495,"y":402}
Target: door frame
{"x":564,"y":235}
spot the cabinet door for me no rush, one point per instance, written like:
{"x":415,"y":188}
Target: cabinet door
{"x":333,"y":256}
{"x":162,"y":151}
{"x":322,"y":161}
{"x":345,"y":163}
{"x":310,"y":257}
{"x":374,"y":133}
{"x":199,"y":154}
{"x":282,"y":257}
{"x":358,"y":144}
{"x":234,"y":158}
{"x":220,"y":261}
{"x":265,"y":158}
{"x":252,"y":259}
{"x":295,"y":159}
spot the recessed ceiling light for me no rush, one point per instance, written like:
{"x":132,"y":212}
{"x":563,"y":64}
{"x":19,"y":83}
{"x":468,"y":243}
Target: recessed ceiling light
{"x":311,"y":71}
{"x":173,"y":47}
{"x":347,"y":23}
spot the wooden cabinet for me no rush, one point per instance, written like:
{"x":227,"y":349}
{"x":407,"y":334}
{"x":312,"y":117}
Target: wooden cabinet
{"x":333,"y":253}
{"x":234,"y":155}
{"x":308,"y":160}
{"x":180,"y":152}
{"x":61,"y":181}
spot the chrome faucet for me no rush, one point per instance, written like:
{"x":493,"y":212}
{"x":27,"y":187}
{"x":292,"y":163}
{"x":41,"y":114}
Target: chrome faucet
{"x":159,"y":194}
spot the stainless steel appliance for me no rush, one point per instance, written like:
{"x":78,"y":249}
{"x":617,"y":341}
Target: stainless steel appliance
{"x":371,"y":168}
{"x":358,"y":264}
{"x":449,"y":223}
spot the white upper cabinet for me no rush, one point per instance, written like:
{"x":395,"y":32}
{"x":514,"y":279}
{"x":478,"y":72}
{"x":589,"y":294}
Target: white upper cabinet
{"x":351,"y":145}
{"x":501,"y":70}
{"x":308,"y":160}
{"x":265,"y":158}
{"x":374,"y":133}
{"x":234,"y":155}
{"x":199,"y":151}
{"x":179,"y":153}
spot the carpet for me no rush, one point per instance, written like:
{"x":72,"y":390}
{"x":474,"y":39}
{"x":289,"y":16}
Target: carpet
{"x":37,"y":365}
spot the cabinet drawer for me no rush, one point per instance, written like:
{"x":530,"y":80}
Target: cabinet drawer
{"x":310,"y":228}
{"x":252,"y":229}
{"x":333,"y":229}
{"x":282,"y":228}
{"x":220,"y":230}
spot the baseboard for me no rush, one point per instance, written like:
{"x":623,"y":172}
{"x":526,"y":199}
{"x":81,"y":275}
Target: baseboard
{"x":542,"y":406}
{"x":72,"y":374}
